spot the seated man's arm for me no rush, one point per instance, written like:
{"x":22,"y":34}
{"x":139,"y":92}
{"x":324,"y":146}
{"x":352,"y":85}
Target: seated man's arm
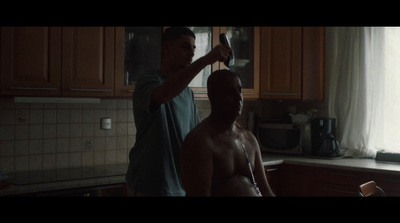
{"x":196,"y":166}
{"x":259,"y":172}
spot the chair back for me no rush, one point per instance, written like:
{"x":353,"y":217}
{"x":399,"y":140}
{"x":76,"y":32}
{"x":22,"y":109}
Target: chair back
{"x":369,"y":189}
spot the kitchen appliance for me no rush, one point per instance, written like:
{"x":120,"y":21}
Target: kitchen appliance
{"x":284,"y":138}
{"x":324,"y":143}
{"x":303,"y":118}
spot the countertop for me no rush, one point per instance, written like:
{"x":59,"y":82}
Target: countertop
{"x":67,"y":178}
{"x":48,"y":180}
{"x":369,"y":165}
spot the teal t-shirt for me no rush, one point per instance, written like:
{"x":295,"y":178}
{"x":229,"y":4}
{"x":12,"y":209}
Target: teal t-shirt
{"x":154,"y":159}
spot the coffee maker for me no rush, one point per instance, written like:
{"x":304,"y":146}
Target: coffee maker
{"x":323,"y":141}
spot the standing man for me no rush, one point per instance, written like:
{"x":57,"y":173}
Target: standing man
{"x":165,"y":112}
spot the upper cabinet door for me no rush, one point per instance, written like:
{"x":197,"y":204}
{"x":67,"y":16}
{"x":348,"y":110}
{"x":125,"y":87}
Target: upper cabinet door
{"x":30,"y":61}
{"x":206,"y":40}
{"x":88,"y":61}
{"x":292,"y":64}
{"x":245,"y":43}
{"x":281,"y":63}
{"x":138,"y":50}
{"x":313,"y":66}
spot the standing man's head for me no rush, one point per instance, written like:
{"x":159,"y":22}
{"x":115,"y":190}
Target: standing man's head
{"x":178,"y":45}
{"x":225,"y":93}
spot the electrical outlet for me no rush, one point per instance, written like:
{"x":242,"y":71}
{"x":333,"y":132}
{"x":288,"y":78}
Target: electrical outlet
{"x":87,"y":144}
{"x":105,"y":123}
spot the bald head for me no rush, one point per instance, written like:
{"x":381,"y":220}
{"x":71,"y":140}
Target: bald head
{"x":217,"y":77}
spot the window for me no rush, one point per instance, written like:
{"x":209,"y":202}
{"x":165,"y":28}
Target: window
{"x":203,"y":46}
{"x":390,"y":116}
{"x":364,"y":75}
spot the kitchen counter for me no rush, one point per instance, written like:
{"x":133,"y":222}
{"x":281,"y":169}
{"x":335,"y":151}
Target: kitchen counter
{"x":61,"y":179}
{"x":69,"y":178}
{"x":369,"y":165}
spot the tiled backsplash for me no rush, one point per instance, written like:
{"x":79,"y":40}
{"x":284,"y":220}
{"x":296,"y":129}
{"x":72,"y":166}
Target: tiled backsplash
{"x":54,"y":136}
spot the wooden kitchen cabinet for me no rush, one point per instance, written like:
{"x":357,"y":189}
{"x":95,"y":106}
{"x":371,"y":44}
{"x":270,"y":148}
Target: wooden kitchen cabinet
{"x":305,"y":180}
{"x":244,"y":40}
{"x":57,"y":61}
{"x":245,"y":44}
{"x":339,"y":182}
{"x":313,"y":65}
{"x":30,"y":61}
{"x":390,"y":183}
{"x":281,"y":62}
{"x":275,"y":62}
{"x":292,"y":63}
{"x":88,"y":61}
{"x":137,"y":50}
{"x":296,"y":180}
{"x":207,"y":37}
{"x":272,"y":172}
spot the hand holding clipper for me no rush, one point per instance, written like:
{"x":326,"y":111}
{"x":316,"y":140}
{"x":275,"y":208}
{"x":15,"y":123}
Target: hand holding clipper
{"x":223,"y":38}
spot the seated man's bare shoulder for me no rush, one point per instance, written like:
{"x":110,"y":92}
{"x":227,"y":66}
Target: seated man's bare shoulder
{"x":196,"y":162}
{"x":198,"y":137}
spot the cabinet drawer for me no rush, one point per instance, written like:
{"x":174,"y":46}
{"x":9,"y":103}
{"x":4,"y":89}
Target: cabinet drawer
{"x":329,"y":189}
{"x":342,"y":177}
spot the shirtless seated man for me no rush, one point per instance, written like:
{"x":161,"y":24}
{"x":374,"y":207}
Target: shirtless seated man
{"x":213,"y":157}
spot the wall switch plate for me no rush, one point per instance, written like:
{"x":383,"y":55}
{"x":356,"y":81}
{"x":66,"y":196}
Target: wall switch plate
{"x":105,"y":123}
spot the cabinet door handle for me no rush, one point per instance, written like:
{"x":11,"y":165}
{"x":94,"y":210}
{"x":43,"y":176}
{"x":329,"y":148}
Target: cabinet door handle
{"x":272,"y":169}
{"x":33,"y":88}
{"x":205,"y":92}
{"x":130,"y":91}
{"x":287,"y":94}
{"x":92,"y":90}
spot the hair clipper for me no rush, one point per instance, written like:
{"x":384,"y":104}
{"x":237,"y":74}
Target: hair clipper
{"x":223,"y":38}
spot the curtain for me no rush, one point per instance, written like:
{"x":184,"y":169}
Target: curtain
{"x":356,"y":68}
{"x":390,"y":124}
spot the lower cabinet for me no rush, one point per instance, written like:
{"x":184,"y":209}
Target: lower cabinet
{"x":339,"y":182}
{"x":390,"y":183}
{"x":273,"y":172}
{"x":296,"y":180}
{"x":304,"y":180}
